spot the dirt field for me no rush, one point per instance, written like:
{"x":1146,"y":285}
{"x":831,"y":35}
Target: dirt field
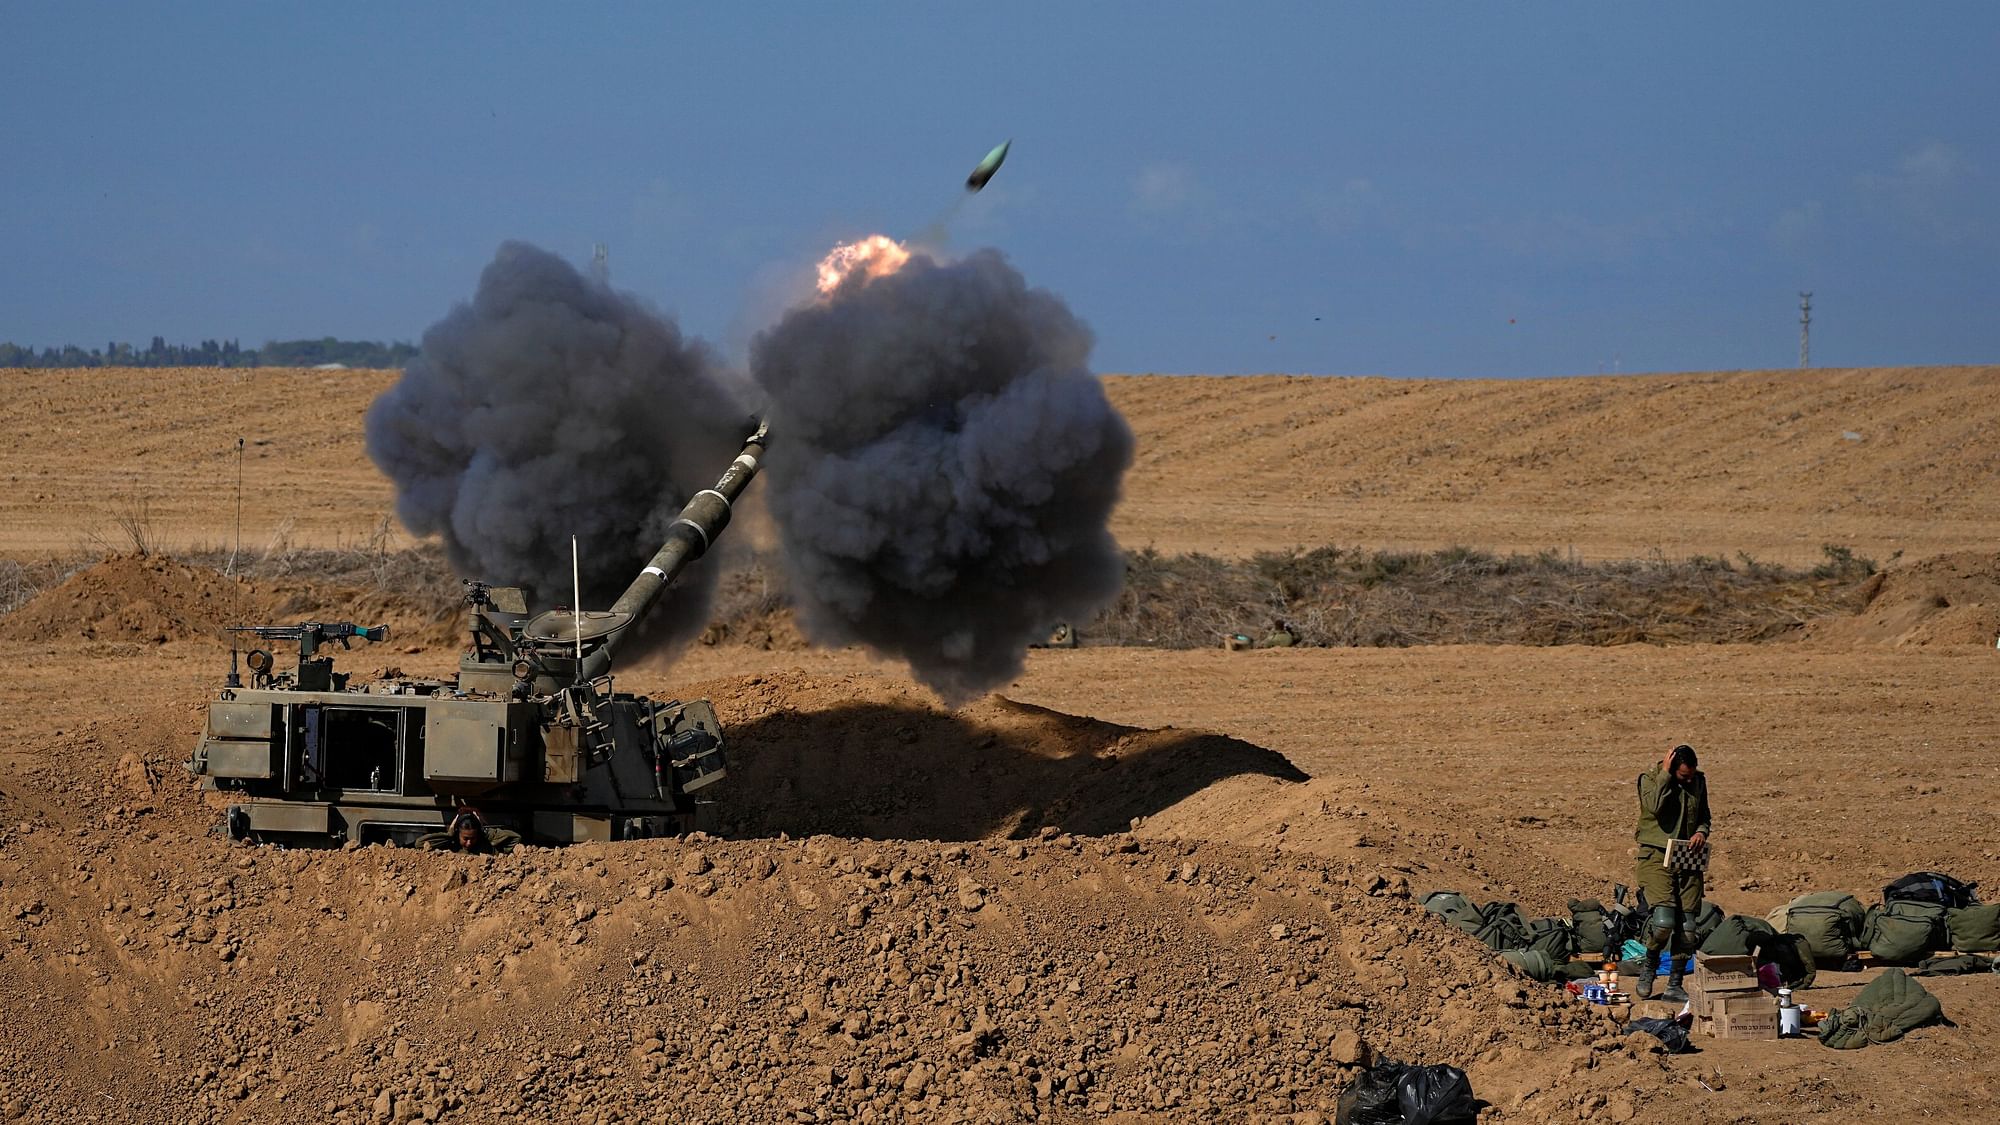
{"x":1610,"y":467}
{"x":1135,"y":885}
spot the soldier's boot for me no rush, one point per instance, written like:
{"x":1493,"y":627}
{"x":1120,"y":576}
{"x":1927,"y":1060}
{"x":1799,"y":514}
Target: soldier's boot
{"x":1675,"y":963}
{"x":1659,"y":939}
{"x":1675,"y":993}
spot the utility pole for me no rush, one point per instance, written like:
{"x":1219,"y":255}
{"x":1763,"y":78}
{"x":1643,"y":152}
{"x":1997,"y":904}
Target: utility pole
{"x":1805,"y":329}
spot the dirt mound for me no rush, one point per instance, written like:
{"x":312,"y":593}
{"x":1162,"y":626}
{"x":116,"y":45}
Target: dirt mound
{"x":148,"y":964}
{"x":751,"y":981}
{"x":1949,"y":599}
{"x":157,"y":599}
{"x":136,"y":598}
{"x":872,"y":757}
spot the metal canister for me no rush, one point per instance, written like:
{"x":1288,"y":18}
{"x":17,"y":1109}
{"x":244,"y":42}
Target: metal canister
{"x":1791,"y":1020}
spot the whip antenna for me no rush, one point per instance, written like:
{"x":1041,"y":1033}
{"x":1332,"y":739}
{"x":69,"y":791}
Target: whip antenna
{"x":238,"y":548}
{"x":576,"y":603}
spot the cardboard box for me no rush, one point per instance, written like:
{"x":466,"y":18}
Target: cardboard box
{"x":1734,"y":1005}
{"x":1758,"y":1025}
{"x":1705,"y":998}
{"x":1716,"y":972}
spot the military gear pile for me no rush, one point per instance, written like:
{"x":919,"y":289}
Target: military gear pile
{"x":1501,"y":927}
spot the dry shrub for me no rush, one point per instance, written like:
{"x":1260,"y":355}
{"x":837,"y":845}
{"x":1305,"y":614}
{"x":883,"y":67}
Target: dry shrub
{"x":418,"y":577}
{"x":1329,"y":596}
{"x":21,"y":581}
{"x":1355,"y":597}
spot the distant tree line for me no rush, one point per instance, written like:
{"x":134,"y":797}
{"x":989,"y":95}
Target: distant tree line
{"x":213,"y":353}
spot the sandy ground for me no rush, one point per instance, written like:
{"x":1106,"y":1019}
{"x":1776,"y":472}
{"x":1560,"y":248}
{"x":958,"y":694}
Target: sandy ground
{"x":1236,"y":835}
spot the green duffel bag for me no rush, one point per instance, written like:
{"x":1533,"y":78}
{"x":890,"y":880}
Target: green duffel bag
{"x":1830,"y":921}
{"x":1456,"y":909}
{"x":1901,"y":933}
{"x":1732,"y":937}
{"x":1586,"y":921}
{"x":1502,"y":926}
{"x":1704,"y":922}
{"x":1534,"y":963}
{"x":1974,"y":929}
{"x":1552,"y":936}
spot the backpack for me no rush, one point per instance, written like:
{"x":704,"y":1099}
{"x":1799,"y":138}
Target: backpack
{"x":1790,"y":953}
{"x":1502,"y":926}
{"x":1733,"y":937}
{"x":1974,"y":929}
{"x":1830,"y":920}
{"x":1552,"y":936}
{"x":1902,"y":931}
{"x":1704,"y":922}
{"x":1931,"y":886}
{"x":1586,"y":919}
{"x":1622,"y":924}
{"x":1455,"y":909}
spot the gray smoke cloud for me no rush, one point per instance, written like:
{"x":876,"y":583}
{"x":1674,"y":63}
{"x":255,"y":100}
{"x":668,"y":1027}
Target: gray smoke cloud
{"x":552,"y":405}
{"x":942,"y":468}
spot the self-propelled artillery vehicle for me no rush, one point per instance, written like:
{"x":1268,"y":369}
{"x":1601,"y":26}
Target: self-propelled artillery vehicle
{"x":531,"y":733}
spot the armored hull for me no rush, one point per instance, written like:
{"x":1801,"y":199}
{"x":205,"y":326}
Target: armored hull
{"x":398,"y":759}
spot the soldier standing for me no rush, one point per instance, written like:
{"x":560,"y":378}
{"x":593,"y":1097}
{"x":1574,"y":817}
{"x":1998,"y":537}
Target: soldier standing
{"x":1673,"y":805}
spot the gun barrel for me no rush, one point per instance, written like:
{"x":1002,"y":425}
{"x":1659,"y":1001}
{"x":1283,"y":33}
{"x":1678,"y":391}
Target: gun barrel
{"x":702,"y":518}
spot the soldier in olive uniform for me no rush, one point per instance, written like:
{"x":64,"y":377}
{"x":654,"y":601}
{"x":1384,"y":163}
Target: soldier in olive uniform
{"x":468,"y":833}
{"x":1673,"y":805}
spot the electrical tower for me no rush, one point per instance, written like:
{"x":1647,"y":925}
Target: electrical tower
{"x":1805,"y":329}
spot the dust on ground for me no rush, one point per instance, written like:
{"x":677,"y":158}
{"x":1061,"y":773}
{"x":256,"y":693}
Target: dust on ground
{"x":1136,"y":885}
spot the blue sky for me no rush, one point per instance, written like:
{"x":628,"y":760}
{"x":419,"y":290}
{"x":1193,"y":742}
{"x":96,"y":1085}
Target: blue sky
{"x":1404,"y":189}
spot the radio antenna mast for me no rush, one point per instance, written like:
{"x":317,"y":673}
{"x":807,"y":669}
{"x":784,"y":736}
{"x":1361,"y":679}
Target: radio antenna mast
{"x":238,"y":548}
{"x":576,"y":604}
{"x":1805,"y":328}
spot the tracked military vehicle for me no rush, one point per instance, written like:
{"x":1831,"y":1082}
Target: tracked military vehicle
{"x":532,"y":733}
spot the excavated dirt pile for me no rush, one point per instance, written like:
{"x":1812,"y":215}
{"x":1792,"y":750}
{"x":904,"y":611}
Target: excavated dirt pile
{"x":136,"y":598}
{"x":150,"y":971}
{"x":1951,"y":599}
{"x":156,"y":599}
{"x":863,"y":755}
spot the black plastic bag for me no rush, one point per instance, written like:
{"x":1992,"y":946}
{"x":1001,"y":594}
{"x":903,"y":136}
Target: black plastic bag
{"x":1672,"y":1035}
{"x":1372,"y":1098}
{"x":1392,"y":1093}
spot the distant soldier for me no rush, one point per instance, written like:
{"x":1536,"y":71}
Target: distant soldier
{"x":1673,"y":805}
{"x":470,"y":834}
{"x":1282,"y":635}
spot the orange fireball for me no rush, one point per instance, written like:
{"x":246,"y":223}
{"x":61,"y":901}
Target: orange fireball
{"x":874,"y":256}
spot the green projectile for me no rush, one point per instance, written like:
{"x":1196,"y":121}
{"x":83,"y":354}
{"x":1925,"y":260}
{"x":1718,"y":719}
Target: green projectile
{"x":988,"y":166}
